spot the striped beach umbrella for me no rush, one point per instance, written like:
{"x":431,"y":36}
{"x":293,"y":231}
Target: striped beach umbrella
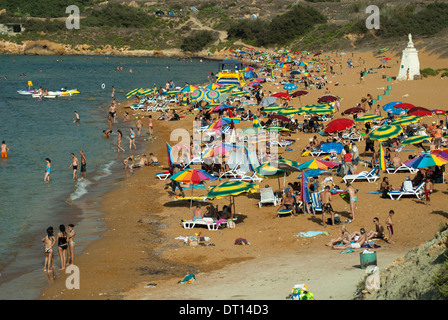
{"x":239,"y":93}
{"x":288,"y":112}
{"x":368,"y":118}
{"x":426,"y":160}
{"x":211,"y":96}
{"x":189,"y":88}
{"x":385,"y":132}
{"x":144,"y":92}
{"x":321,"y":110}
{"x":415,"y":140}
{"x":222,"y":107}
{"x":132,"y":92}
{"x":197,"y":95}
{"x":405,"y":120}
{"x":318,"y":164}
{"x":382,"y":159}
{"x":231,"y":189}
{"x":272,"y":109}
{"x":255,"y":122}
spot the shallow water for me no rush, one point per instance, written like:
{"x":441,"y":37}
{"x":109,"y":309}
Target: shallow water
{"x":34,"y":130}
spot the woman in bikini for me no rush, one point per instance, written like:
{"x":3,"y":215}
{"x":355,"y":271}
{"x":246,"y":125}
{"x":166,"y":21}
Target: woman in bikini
{"x":120,"y":135}
{"x":48,"y":241}
{"x":71,"y":244}
{"x":61,"y":239}
{"x":47,"y":170}
{"x":131,"y":139}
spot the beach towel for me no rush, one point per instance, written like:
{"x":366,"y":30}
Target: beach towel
{"x":188,"y":279}
{"x":374,"y":192}
{"x":310,"y":234}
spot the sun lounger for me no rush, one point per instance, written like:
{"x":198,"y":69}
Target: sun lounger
{"x":401,"y":168}
{"x":247,"y":176}
{"x":268,"y":196}
{"x":163,"y":175}
{"x":370,"y":176}
{"x":210,"y":223}
{"x":197,"y":199}
{"x":417,"y":192}
{"x":353,"y":136}
{"x":316,"y":204}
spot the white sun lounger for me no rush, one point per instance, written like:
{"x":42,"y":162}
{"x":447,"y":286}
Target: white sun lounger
{"x":163,"y":175}
{"x":210,"y":223}
{"x":401,"y":168}
{"x":370,"y":176}
{"x":417,"y":192}
{"x":316,"y":203}
{"x":268,"y":196}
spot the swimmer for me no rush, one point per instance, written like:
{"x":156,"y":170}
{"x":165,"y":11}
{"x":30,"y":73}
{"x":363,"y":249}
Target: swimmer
{"x":4,"y":149}
{"x":76,"y":118}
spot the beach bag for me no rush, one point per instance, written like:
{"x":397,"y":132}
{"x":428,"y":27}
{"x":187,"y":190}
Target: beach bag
{"x":241,"y":241}
{"x":188,"y":279}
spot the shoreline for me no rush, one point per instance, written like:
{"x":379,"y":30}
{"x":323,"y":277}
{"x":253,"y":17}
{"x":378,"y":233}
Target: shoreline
{"x":271,"y":239}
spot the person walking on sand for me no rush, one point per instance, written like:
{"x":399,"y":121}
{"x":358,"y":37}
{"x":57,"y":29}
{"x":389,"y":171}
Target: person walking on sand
{"x":132,"y":139}
{"x":353,"y":199}
{"x":61,"y":239}
{"x":74,"y":164}
{"x":47,"y":170}
{"x":390,"y":226}
{"x":48,"y":241}
{"x":83,"y":165}
{"x":4,"y":149}
{"x":428,"y":191}
{"x":325,"y":198}
{"x":71,"y":244}
{"x":120,"y":136}
{"x":150,"y":125}
{"x":138,"y":124}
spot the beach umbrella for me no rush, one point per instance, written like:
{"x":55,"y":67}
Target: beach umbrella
{"x":131,"y":93}
{"x":338,"y":125}
{"x":438,"y":111}
{"x":277,"y":129}
{"x":279,"y":117}
{"x":298,"y":93}
{"x":287,"y":112}
{"x":320,"y":110}
{"x":189,"y":88}
{"x":368,"y":118}
{"x":327,"y":98}
{"x":406,"y":106}
{"x":314,"y":173}
{"x":272,"y":109}
{"x":284,"y":95}
{"x":231,"y":189}
{"x":248,"y":103}
{"x":405,"y":120}
{"x":295,"y":72}
{"x":144,"y":92}
{"x":318,"y":164}
{"x":222,"y":107}
{"x":305,"y":192}
{"x":420,"y":112}
{"x":353,"y":111}
{"x":192,"y":176}
{"x":219,"y":123}
{"x":211,"y":96}
{"x":388,"y":107}
{"x":222,"y":149}
{"x":415,"y":140}
{"x":441,"y":153}
{"x":290,"y":86}
{"x":332,"y":147}
{"x":170,"y":156}
{"x":197,"y":95}
{"x":239,"y":93}
{"x":426,"y":160}
{"x":255,"y":122}
{"x":385,"y":132}
{"x":266,"y":102}
{"x":272,"y":169}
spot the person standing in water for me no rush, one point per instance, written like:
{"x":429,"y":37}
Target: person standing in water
{"x":132,"y":139}
{"x":48,"y":241}
{"x":76,"y":118}
{"x":71,"y":244}
{"x":4,"y":149}
{"x":61,"y":239}
{"x":47,"y":170}
{"x":74,"y":164}
{"x":83,"y":164}
{"x":120,"y":136}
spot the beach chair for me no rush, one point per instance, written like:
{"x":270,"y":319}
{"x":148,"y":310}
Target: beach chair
{"x":317,"y":152}
{"x":267,"y":196}
{"x":403,"y":167}
{"x":210,"y":223}
{"x":316,"y":204}
{"x":163,"y":175}
{"x":370,"y":176}
{"x":353,"y":136}
{"x":417,"y":192}
{"x":248,"y":177}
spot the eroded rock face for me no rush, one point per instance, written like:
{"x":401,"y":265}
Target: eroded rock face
{"x":43,"y":47}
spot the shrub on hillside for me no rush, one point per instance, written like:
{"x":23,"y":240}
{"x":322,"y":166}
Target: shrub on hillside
{"x":197,"y":41}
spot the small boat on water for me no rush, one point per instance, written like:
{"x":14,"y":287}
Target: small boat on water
{"x":58,"y":93}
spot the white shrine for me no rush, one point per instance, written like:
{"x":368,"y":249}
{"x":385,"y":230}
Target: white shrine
{"x":410,"y":66}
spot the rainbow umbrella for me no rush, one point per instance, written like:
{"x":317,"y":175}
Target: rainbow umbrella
{"x":192,"y":176}
{"x":211,"y":96}
{"x":368,"y":118}
{"x":385,"y":132}
{"x":220,"y":150}
{"x":197,"y":95}
{"x":218,"y":124}
{"x":415,"y":140}
{"x":405,"y":120}
{"x":318,"y":164}
{"x":189,"y":88}
{"x":426,"y":160}
{"x":222,"y":107}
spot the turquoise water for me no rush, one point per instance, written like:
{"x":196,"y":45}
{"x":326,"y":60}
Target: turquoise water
{"x":35,"y":130}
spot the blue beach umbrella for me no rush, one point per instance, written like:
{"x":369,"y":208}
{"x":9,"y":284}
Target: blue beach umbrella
{"x":389,"y":107}
{"x":290,"y":86}
{"x":295,"y":72}
{"x":332,"y":147}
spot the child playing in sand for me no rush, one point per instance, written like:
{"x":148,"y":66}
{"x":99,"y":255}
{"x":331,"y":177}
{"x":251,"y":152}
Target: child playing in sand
{"x":48,"y":241}
{"x":390,"y":225}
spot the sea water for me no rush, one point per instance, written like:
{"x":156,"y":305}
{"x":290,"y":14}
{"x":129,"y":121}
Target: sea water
{"x":36,"y":129}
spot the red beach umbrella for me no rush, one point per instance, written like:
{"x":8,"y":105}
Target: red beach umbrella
{"x":281,"y":94}
{"x":406,"y":106}
{"x":299,"y":93}
{"x":327,"y":98}
{"x":279,"y":117}
{"x":353,"y":110}
{"x":339,"y":125}
{"x":420,"y":112}
{"x":438,"y":111}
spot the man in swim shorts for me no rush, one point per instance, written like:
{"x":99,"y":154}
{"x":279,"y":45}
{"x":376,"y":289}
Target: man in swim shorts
{"x":83,"y":164}
{"x":4,"y":149}
{"x":74,"y":164}
{"x":325,"y":198}
{"x":353,"y":198}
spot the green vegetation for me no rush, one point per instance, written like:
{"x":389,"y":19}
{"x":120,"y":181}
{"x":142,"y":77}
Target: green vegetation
{"x":279,"y":30}
{"x":197,"y":41}
{"x":119,"y":16}
{"x":43,"y":9}
{"x":428,"y":72}
{"x":440,"y":279}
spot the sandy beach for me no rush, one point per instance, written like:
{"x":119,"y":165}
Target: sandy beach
{"x":139,"y":257}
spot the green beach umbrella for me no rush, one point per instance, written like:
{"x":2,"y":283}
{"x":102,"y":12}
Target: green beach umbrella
{"x":384,"y":133}
{"x":255,"y":122}
{"x":272,"y":109}
{"x":231,"y":189}
{"x":405,"y":120}
{"x":415,"y":140}
{"x":320,"y":110}
{"x":288,"y":112}
{"x":132,"y":92}
{"x":368,"y":118}
{"x":239,"y":93}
